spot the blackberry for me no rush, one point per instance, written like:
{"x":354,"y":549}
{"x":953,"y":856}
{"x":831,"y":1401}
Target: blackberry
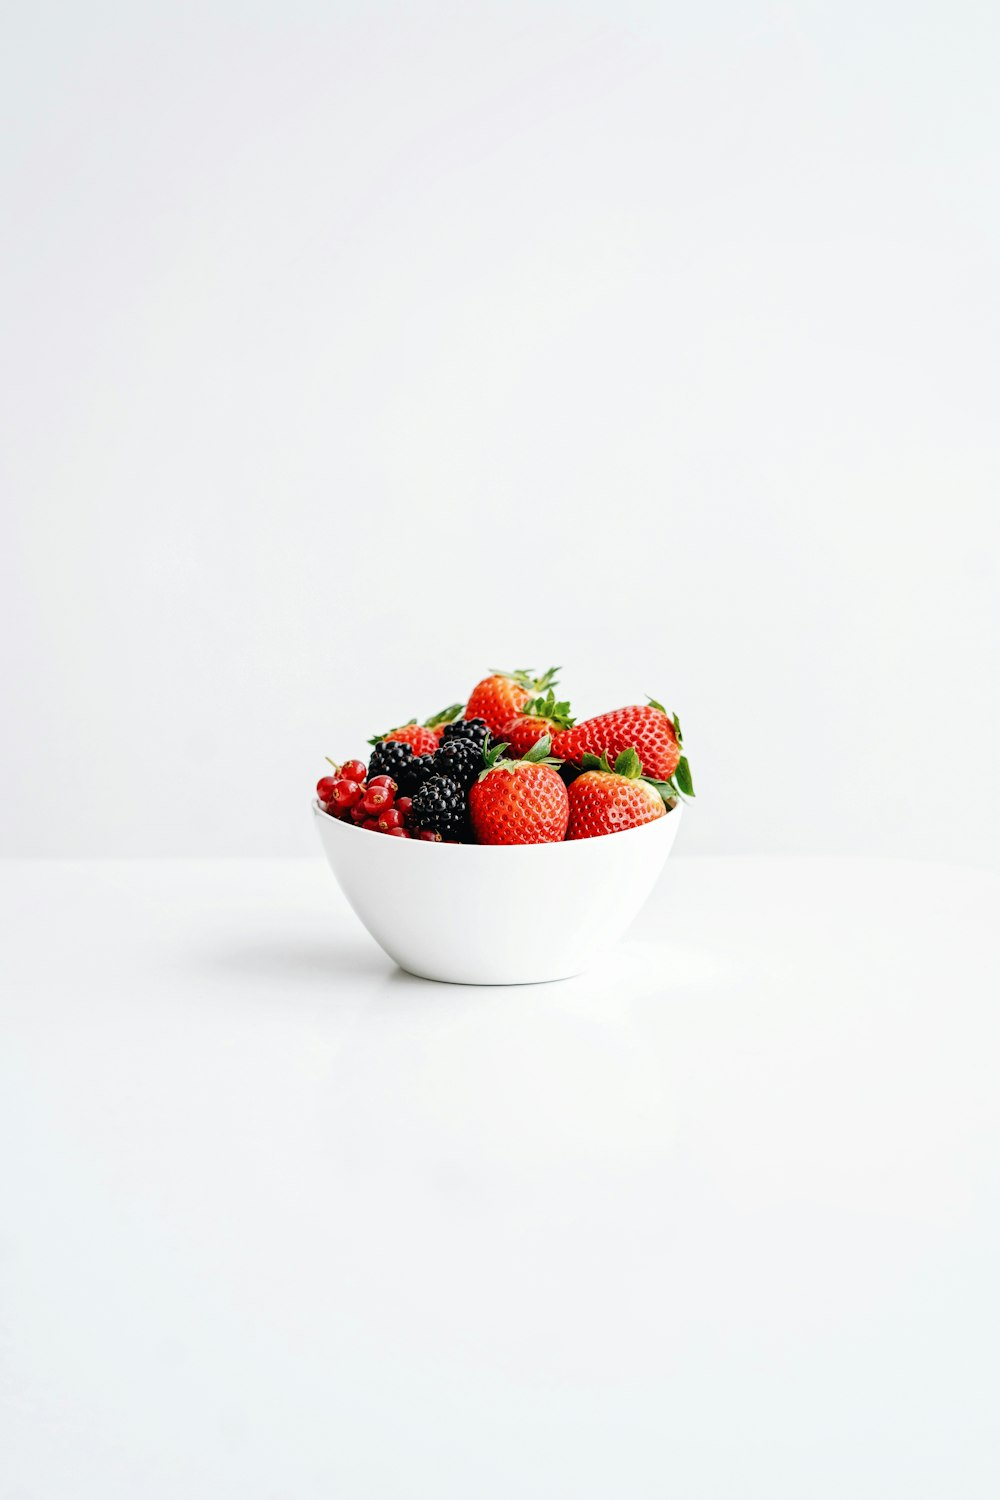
{"x":460,"y":760}
{"x":395,"y":758}
{"x":422,"y":770}
{"x":475,"y":730}
{"x":439,"y":807}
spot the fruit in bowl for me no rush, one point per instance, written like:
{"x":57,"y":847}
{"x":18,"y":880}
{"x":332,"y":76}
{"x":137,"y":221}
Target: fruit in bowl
{"x":557,"y":831}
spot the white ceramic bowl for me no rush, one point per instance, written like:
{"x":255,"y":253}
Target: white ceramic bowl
{"x":512,"y":914}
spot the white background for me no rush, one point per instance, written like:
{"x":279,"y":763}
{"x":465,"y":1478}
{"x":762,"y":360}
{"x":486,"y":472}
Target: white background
{"x":351,"y":349}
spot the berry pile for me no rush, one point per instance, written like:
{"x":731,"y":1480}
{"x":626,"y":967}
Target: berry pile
{"x":513,"y":767}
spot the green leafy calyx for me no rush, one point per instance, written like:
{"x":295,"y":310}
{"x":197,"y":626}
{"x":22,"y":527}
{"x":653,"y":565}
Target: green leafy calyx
{"x":445,"y":716}
{"x":627,"y":764}
{"x":538,"y":755}
{"x":681,"y":782}
{"x":492,"y":754}
{"x":546,"y":707}
{"x":527,"y":679}
{"x":377,"y":739}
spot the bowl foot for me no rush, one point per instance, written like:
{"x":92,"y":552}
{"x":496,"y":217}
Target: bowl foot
{"x":492,"y":983}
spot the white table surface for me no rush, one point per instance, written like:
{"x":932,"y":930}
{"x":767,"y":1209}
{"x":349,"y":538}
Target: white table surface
{"x":281,"y":1222}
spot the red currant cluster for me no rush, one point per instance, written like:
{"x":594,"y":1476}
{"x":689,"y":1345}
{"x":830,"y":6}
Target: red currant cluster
{"x":370,"y":804}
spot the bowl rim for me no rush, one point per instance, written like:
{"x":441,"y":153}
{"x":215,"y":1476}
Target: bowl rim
{"x":492,"y":849}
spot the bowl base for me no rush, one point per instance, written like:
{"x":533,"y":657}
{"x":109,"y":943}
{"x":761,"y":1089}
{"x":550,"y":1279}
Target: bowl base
{"x":492,"y":983}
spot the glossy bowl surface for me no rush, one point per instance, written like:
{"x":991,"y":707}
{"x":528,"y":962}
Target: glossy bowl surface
{"x":519,"y":914}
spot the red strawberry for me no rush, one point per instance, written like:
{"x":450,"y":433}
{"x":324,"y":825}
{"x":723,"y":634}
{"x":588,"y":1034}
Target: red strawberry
{"x":648,"y":729}
{"x":519,"y":801}
{"x":503,"y":694}
{"x":538,"y":716}
{"x":421,"y":741}
{"x":605,"y":800}
{"x":424,"y":738}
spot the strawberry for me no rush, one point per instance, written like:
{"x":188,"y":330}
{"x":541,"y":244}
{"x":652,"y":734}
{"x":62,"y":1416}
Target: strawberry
{"x":503,"y":694}
{"x":537,"y":717}
{"x":519,"y":801}
{"x":421,"y":738}
{"x":648,"y":729}
{"x":610,"y":800}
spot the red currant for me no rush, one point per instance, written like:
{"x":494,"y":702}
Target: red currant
{"x":404,"y":804}
{"x":390,"y":818}
{"x":354,"y":770}
{"x":324,"y":788}
{"x":383,"y":781}
{"x":345,"y":793}
{"x":358,"y":812}
{"x":398,"y":833}
{"x":372,"y":823}
{"x":428,"y":836}
{"x":377,"y":797}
